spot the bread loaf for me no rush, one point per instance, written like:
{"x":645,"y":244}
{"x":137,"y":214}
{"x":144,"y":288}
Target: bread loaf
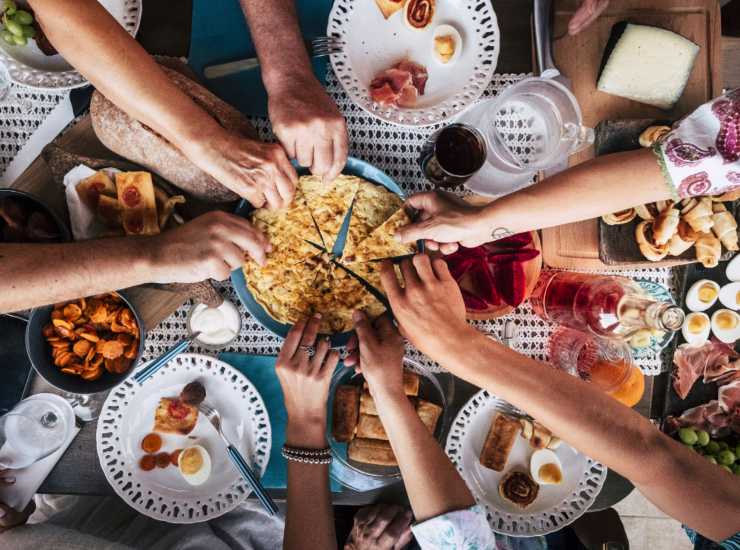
{"x":135,"y":141}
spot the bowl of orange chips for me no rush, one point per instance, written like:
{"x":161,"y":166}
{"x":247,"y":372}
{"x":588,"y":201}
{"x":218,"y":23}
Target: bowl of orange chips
{"x":86,"y":345}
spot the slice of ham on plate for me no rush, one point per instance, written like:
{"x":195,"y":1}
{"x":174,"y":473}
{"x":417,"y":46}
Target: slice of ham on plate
{"x":711,"y":359}
{"x":400,"y":85}
{"x":729,"y":398}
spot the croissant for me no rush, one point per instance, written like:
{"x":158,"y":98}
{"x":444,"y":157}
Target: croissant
{"x":708,"y":249}
{"x":682,"y":240}
{"x":652,"y":134}
{"x":725,"y":226}
{"x":647,"y":212}
{"x":645,"y":240}
{"x":660,"y":206}
{"x":665,"y":225}
{"x":619,"y":218}
{"x":698,"y":214}
{"x":730,"y":196}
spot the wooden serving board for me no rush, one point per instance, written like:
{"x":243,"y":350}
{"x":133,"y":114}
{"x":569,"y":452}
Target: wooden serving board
{"x":579,"y":58}
{"x":152,"y":304}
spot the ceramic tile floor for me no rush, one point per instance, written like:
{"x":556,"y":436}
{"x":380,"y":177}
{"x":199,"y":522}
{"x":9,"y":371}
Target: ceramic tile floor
{"x":648,"y":528}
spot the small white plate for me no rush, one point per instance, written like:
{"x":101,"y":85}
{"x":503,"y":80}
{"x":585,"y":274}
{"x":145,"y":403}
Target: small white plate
{"x":556,"y":505}
{"x":373,"y":44}
{"x":162,"y":493}
{"x":30,"y":67}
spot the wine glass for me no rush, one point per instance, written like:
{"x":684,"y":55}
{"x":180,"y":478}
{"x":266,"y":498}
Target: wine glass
{"x":33,"y":430}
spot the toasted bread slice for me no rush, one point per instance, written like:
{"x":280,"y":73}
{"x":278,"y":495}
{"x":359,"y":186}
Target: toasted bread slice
{"x":500,"y":440}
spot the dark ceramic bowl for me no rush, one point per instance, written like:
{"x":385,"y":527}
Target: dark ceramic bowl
{"x":39,"y":352}
{"x":64,"y":232}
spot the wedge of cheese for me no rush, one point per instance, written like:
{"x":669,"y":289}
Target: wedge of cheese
{"x":647,"y":64}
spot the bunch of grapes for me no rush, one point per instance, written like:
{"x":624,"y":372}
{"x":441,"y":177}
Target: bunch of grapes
{"x":16,"y":25}
{"x":722,"y":453}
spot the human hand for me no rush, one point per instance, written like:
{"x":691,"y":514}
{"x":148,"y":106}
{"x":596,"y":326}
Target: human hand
{"x":257,"y":171}
{"x":305,"y":382}
{"x":210,"y":246}
{"x":445,"y":221}
{"x":586,"y":14}
{"x":10,"y":517}
{"x":380,"y":527}
{"x":376,"y":350}
{"x":429,"y":307}
{"x":309,"y":125}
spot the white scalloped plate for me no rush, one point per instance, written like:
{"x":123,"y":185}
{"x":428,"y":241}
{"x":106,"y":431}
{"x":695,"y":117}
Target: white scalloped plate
{"x":372,"y":44}
{"x":30,"y":67}
{"x":162,"y":494}
{"x":556,"y":505}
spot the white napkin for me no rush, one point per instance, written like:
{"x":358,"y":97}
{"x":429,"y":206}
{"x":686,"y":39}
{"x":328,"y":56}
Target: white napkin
{"x":85,"y":225}
{"x":28,"y":480}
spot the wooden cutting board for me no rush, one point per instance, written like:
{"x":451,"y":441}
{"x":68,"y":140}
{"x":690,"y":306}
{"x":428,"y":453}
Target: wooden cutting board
{"x":579,"y":58}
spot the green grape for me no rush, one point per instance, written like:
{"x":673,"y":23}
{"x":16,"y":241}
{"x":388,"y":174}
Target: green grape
{"x":10,"y":7}
{"x":712,"y":448}
{"x":702,"y":438}
{"x":14,"y":27}
{"x":20,"y":40}
{"x":723,"y":445}
{"x":712,"y":459}
{"x":726,"y":457}
{"x":8,"y":37}
{"x":737,"y":450}
{"x":736,"y":468}
{"x":23,"y":17}
{"x":726,"y":468}
{"x":687,"y":436}
{"x":29,"y":31}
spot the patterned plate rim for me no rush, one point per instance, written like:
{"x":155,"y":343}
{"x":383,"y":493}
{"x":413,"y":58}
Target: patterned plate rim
{"x":485,"y":68}
{"x":660,"y":292}
{"x":523,"y":525}
{"x":37,"y":79}
{"x":180,"y":511}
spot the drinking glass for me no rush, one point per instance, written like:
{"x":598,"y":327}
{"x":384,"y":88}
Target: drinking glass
{"x":33,"y":430}
{"x":452,"y":155}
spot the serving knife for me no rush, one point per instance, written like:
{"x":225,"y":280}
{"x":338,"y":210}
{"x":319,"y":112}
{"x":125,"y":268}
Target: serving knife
{"x":341,"y":241}
{"x":378,"y":295}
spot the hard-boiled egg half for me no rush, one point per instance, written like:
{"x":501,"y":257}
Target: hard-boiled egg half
{"x":726,"y":325}
{"x":702,"y":295}
{"x":695,"y":328}
{"x":545,"y":467}
{"x":194,"y":464}
{"x":729,"y":296}
{"x":447,"y":44}
{"x":733,"y":268}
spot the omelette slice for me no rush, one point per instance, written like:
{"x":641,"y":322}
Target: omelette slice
{"x":373,"y":205}
{"x":382,"y":243}
{"x":287,"y":229}
{"x":329,"y":202}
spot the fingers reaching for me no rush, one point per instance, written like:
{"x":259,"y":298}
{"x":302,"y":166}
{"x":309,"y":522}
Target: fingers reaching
{"x":323,"y":153}
{"x":448,"y":248}
{"x":410,"y":277}
{"x":293,"y":340}
{"x":441,"y":269}
{"x":365,"y":333}
{"x":389,"y":281}
{"x":423,"y":266}
{"x":311,"y":331}
{"x":341,"y":150}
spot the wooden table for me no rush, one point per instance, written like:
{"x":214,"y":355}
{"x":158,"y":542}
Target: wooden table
{"x":165,"y":30}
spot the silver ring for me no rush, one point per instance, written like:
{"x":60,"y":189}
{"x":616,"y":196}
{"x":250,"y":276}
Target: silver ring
{"x":310,"y":350}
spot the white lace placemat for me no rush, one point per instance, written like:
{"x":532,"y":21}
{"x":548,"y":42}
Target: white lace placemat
{"x":21,"y":113}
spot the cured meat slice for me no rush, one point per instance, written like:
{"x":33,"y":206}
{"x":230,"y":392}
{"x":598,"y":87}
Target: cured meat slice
{"x":711,"y":360}
{"x":400,"y":85}
{"x":709,"y":417}
{"x":729,"y":397}
{"x":419,"y":74}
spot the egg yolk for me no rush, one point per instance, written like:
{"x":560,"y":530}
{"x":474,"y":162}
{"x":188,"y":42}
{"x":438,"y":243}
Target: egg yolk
{"x":550,"y":473}
{"x":697,"y":323}
{"x":726,"y":321}
{"x":191,"y":461}
{"x":707,"y":293}
{"x":445,"y":47}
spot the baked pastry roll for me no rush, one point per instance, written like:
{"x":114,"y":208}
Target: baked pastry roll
{"x":619,"y":218}
{"x":138,"y":205}
{"x":93,"y":186}
{"x":429,"y":414}
{"x":174,"y":416}
{"x":370,"y":427}
{"x":346,"y":411}
{"x":652,"y":134}
{"x":698,"y":214}
{"x":647,"y":212}
{"x":708,"y":249}
{"x":682,"y":240}
{"x":730,"y":196}
{"x":725,"y":226}
{"x":665,"y":225}
{"x":518,"y":488}
{"x":499,"y":442}
{"x":646,"y":242}
{"x":371,"y":451}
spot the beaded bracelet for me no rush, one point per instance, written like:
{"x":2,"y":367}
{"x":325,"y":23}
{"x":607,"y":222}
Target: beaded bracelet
{"x":307,"y":456}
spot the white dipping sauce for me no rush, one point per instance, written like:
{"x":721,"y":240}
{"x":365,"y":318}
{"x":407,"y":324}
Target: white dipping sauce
{"x":217,"y":325}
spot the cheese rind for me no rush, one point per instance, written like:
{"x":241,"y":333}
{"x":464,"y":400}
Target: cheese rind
{"x":648,"y":64}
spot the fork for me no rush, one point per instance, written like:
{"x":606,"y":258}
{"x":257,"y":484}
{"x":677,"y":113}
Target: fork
{"x":321,"y":46}
{"x":238,"y":460}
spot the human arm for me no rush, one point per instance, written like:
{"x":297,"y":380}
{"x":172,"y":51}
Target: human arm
{"x":601,"y":186}
{"x":305,"y":382}
{"x":210,"y":246}
{"x":304,"y":118}
{"x":380,"y":359}
{"x":431,"y":314}
{"x":10,"y":517}
{"x":93,"y":42}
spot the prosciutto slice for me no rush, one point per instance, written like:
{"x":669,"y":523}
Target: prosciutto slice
{"x":400,"y":85}
{"x":729,"y":398}
{"x":692,"y":362}
{"x":709,"y":417}
{"x":721,"y":370}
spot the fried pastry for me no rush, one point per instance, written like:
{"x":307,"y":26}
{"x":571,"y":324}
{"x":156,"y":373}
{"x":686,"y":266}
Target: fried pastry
{"x":382,"y":242}
{"x":647,"y":212}
{"x":725,"y":226}
{"x":174,"y":416}
{"x":389,"y":7}
{"x":708,"y":249}
{"x":499,"y":442}
{"x":92,"y":187}
{"x":665,"y":225}
{"x":345,"y":412}
{"x":138,"y":205}
{"x":371,"y":451}
{"x":518,"y":488}
{"x":682,"y":240}
{"x":652,"y":134}
{"x":370,"y":427}
{"x":698,"y":214}
{"x":646,"y":242}
{"x":429,"y":414}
